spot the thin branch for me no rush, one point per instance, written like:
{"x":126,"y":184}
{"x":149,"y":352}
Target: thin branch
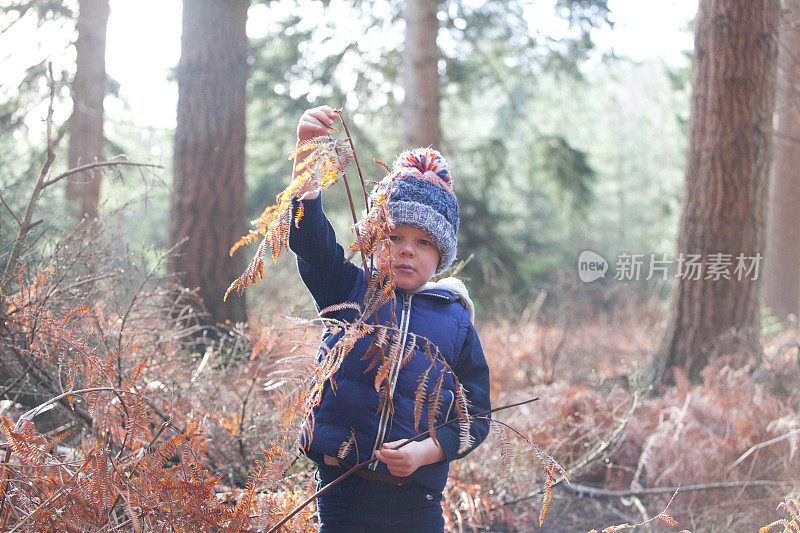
{"x":97,"y":164}
{"x":755,"y":447}
{"x":13,"y":214}
{"x":586,"y":490}
{"x":16,"y":381}
{"x":355,"y":157}
{"x":25,"y":226}
{"x":662,"y":515}
{"x":138,"y":291}
{"x":362,"y":464}
{"x":29,"y":415}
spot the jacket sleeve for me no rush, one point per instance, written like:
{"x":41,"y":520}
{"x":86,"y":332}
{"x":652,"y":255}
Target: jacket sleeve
{"x":320,"y":259}
{"x":473,"y":373}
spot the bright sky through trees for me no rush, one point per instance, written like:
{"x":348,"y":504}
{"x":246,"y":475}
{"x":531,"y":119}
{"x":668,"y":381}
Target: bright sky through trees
{"x":144,"y":45}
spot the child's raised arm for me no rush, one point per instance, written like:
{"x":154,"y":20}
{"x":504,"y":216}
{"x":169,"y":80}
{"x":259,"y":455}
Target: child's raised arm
{"x":313,"y":123}
{"x":320,"y":259}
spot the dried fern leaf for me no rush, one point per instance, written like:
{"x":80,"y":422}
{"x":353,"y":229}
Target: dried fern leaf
{"x":385,"y":369}
{"x":325,"y":159}
{"x":340,"y":307}
{"x":435,"y":406}
{"x":419,"y":397}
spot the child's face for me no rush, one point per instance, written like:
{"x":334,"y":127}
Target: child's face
{"x":415,"y":256}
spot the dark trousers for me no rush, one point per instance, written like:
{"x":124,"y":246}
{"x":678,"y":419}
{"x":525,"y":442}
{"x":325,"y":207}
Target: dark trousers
{"x":361,"y":506}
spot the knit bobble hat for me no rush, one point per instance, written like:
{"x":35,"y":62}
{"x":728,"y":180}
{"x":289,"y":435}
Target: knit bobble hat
{"x":421,"y":195}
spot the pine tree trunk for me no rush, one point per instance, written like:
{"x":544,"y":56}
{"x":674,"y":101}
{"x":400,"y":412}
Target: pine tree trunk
{"x":727,"y":169}
{"x":88,"y":92}
{"x":421,"y":75}
{"x":782,"y":259}
{"x":208,"y":197}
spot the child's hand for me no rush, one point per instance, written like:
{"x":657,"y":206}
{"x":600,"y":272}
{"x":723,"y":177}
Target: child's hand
{"x":406,"y":460}
{"x":315,"y":122}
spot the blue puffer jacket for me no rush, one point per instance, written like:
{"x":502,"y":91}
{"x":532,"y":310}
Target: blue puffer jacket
{"x":433,"y":313}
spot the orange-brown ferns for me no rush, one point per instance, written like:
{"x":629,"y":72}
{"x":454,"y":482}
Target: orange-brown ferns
{"x":325,"y":160}
{"x":791,"y":506}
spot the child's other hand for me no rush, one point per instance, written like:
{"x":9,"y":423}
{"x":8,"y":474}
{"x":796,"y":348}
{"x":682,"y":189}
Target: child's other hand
{"x":406,"y":460}
{"x":315,"y":122}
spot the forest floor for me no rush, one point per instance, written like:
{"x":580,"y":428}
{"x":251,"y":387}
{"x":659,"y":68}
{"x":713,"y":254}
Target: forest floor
{"x":721,"y":454}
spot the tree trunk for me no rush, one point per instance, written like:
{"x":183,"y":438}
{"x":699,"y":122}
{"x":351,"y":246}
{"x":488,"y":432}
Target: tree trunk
{"x":727,"y":169}
{"x":782,"y":259}
{"x":88,"y":92}
{"x":208,"y":196}
{"x":421,"y":75}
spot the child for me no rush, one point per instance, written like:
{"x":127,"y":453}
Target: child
{"x":403,"y":490}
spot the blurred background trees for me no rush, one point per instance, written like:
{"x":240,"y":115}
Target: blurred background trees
{"x":782,"y":254}
{"x":88,"y":93}
{"x":208,"y":192}
{"x":557,"y":146}
{"x":723,"y":218}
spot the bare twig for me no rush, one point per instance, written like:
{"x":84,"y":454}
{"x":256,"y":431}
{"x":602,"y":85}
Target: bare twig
{"x":362,"y":464}
{"x":355,"y":158}
{"x":755,"y":447}
{"x":660,"y":516}
{"x":29,"y":415}
{"x":25,"y":225}
{"x":586,"y":490}
{"x":13,"y":214}
{"x":98,"y":164}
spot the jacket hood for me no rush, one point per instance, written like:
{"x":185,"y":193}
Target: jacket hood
{"x":457,"y":289}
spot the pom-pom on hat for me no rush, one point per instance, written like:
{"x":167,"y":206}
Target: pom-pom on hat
{"x":421,"y":195}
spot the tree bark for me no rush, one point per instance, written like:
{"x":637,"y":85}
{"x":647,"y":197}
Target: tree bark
{"x":88,"y":93}
{"x":727,"y":169}
{"x":208,"y":197}
{"x":421,"y":75}
{"x":782,"y":255}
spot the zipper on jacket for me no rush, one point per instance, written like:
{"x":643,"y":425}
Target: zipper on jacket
{"x":394,"y":372}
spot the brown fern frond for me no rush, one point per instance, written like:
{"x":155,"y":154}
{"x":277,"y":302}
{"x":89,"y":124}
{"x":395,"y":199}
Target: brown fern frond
{"x":373,"y":229}
{"x":344,"y":449}
{"x":435,"y":406}
{"x":378,"y":342}
{"x":465,"y":438}
{"x":506,"y":449}
{"x":266,"y":342}
{"x":339,"y":307}
{"x":325,"y":159}
{"x":383,"y":398}
{"x":791,"y":506}
{"x":377,"y":349}
{"x":130,"y":512}
{"x":419,"y":397}
{"x":253,"y":273}
{"x":394,"y":353}
{"x":411,"y":344}
{"x":383,"y":165}
{"x":321,"y":168}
